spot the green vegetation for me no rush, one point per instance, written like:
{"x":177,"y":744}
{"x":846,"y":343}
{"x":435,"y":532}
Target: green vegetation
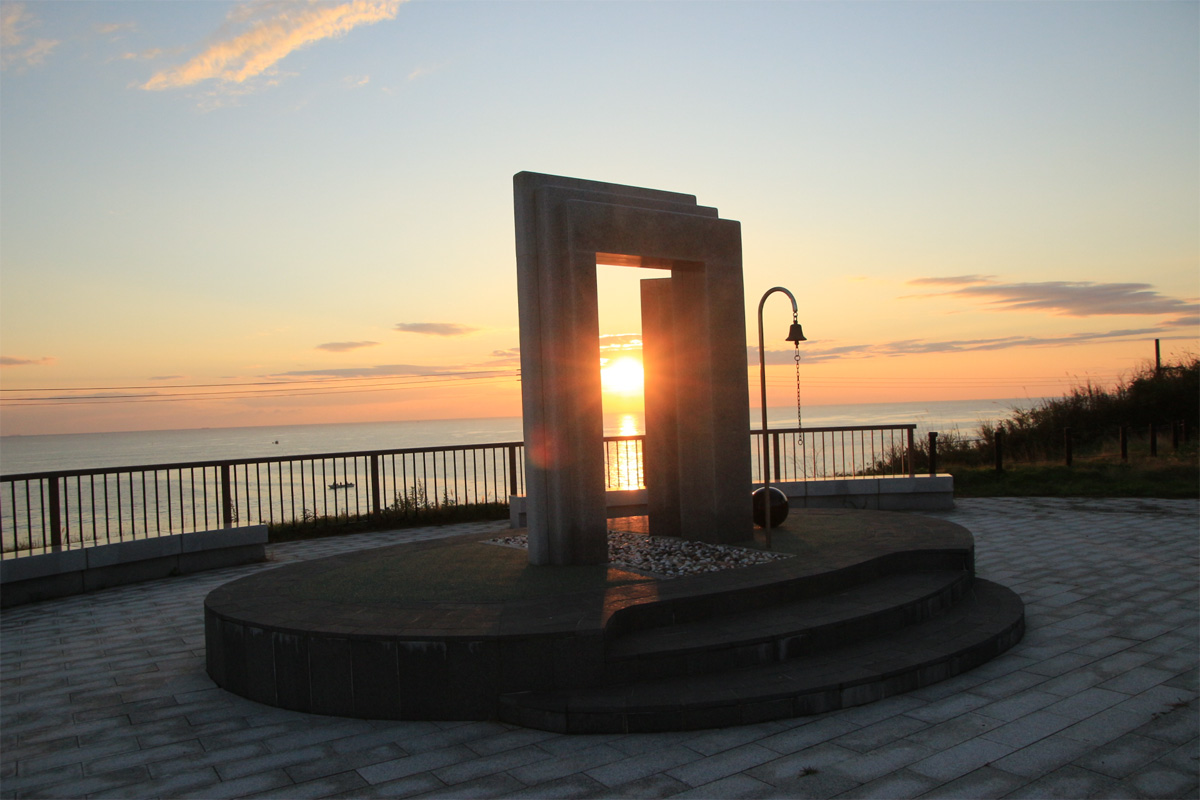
{"x":1035,"y":443}
{"x":409,"y":510}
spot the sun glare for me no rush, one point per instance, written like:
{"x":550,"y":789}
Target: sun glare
{"x":622,"y":376}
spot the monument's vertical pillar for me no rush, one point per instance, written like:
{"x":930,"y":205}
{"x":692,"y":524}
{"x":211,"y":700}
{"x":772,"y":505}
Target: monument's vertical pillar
{"x":731,"y":515}
{"x":560,"y":374}
{"x":660,"y":451}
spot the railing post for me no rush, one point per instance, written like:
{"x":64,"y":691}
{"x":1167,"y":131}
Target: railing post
{"x":1124,"y":442}
{"x":775,"y":455}
{"x":933,"y":453}
{"x":999,"y":439}
{"x":375,"y":491}
{"x":226,"y":498}
{"x":55,"y":515}
{"x":512,"y":470}
{"x":1067,"y":445}
{"x":912,"y":452}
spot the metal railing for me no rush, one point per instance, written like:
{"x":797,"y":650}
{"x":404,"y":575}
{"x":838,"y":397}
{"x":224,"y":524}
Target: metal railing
{"x":805,"y":454}
{"x":69,"y":509}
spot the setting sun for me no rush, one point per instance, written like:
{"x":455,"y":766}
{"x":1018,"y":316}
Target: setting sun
{"x":622,"y":376}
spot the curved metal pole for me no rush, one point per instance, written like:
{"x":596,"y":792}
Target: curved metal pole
{"x":762,"y":376}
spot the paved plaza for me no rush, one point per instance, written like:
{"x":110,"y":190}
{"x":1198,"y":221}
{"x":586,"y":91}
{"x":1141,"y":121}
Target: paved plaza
{"x":105,"y":695}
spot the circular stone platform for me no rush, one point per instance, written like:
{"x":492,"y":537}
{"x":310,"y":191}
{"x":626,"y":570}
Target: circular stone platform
{"x":462,"y":629}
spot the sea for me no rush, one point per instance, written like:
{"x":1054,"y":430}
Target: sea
{"x":22,"y":454}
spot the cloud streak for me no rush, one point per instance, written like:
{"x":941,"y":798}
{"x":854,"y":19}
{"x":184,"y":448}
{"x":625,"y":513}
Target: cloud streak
{"x":257,"y":36}
{"x":1063,"y":298}
{"x":15,"y":47}
{"x":342,"y":347}
{"x":814,"y":352}
{"x":15,"y":361}
{"x":435,"y":328}
{"x":389,"y":371}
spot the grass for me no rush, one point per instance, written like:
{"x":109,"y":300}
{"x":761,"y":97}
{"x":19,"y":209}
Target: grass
{"x":1175,"y":478}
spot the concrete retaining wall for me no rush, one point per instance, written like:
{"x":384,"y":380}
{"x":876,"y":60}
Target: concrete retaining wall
{"x":919,"y":493}
{"x":67,"y":572}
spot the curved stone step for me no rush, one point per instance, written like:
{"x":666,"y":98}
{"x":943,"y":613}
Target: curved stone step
{"x":785,"y":631}
{"x":989,"y":620}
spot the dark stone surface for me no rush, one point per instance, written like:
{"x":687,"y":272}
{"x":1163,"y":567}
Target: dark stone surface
{"x":854,"y":620}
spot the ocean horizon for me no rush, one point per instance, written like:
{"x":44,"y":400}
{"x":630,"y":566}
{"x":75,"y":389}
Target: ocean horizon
{"x":66,"y":451}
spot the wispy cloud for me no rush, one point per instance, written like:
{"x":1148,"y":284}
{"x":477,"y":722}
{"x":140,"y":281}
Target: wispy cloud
{"x":620,"y":341}
{"x":815,"y":352}
{"x":510,"y":356}
{"x":145,"y":55}
{"x":167,"y":377}
{"x":15,"y":361}
{"x":109,"y":28}
{"x":389,"y":371}
{"x":257,"y":36}
{"x":342,"y":347}
{"x":16,"y":48}
{"x":435,"y":328}
{"x":1063,"y":298}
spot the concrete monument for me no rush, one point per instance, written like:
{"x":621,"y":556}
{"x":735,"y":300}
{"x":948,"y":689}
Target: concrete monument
{"x":697,"y":449}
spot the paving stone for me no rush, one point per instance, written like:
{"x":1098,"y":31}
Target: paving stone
{"x":729,"y":786}
{"x":1111,"y":589}
{"x":1123,"y":755}
{"x":1042,"y":756}
{"x":954,"y":731}
{"x":868,"y":767}
{"x":577,"y":785}
{"x":881,"y":733}
{"x":981,"y":783}
{"x":320,"y":787}
{"x":509,"y":740}
{"x":1164,"y":782}
{"x":650,"y":786}
{"x":1070,"y":782}
{"x":797,"y":765}
{"x":646,"y":764}
{"x":489,"y":786}
{"x":1028,"y":729}
{"x":901,"y":783}
{"x":343,"y":762}
{"x":489,"y":765}
{"x":171,"y":786}
{"x":807,"y":735}
{"x":231,"y":770}
{"x":707,"y":770}
{"x":240,"y":787}
{"x":90,"y":784}
{"x":409,"y":786}
{"x":411,"y":765}
{"x":961,"y":759}
{"x":547,"y":768}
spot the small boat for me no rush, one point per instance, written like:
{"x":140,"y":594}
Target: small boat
{"x":340,"y":485}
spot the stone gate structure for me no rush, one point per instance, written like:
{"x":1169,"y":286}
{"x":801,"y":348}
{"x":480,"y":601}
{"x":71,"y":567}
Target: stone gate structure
{"x":697,"y":451}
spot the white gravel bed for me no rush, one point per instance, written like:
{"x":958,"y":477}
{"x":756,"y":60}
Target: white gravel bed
{"x":667,"y":557}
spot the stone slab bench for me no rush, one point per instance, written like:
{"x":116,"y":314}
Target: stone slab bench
{"x":917,"y":493}
{"x":44,"y":576}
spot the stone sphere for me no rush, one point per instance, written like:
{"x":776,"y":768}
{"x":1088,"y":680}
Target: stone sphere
{"x":779,"y":506}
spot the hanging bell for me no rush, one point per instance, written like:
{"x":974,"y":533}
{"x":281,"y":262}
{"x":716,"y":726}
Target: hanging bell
{"x":796,"y":334}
